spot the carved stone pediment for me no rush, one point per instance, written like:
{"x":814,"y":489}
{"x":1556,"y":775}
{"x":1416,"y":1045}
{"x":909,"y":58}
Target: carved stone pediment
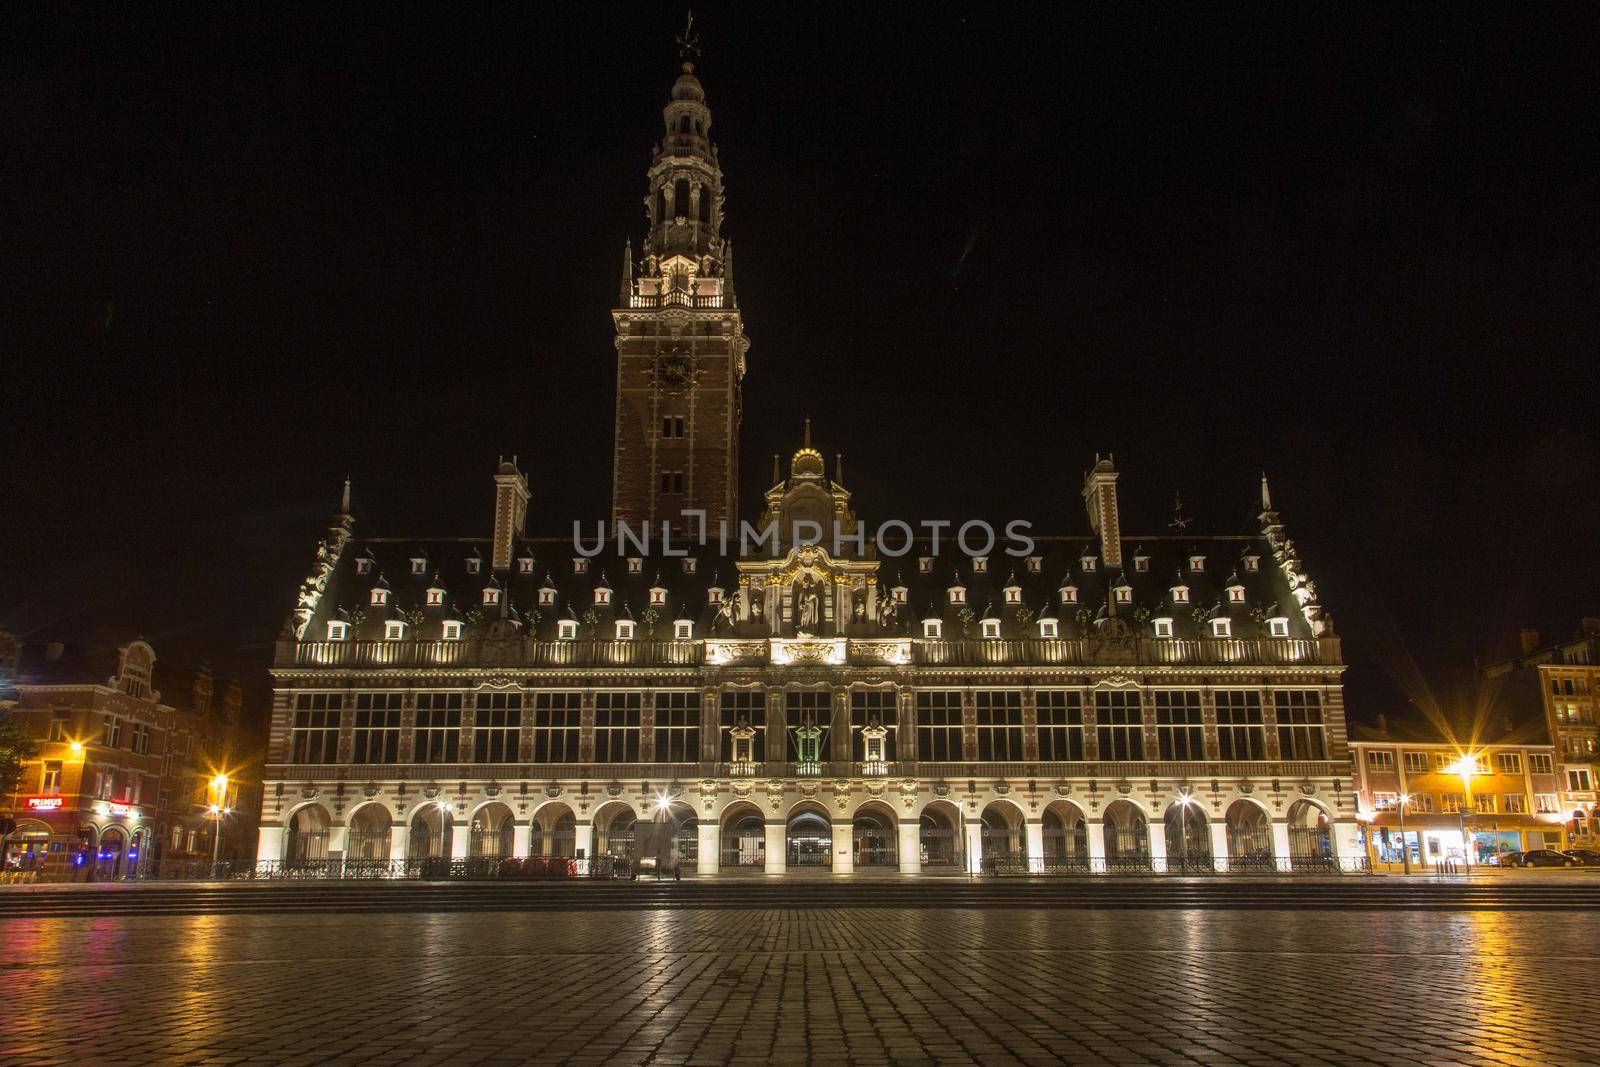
{"x":308,"y":792}
{"x":369,"y":790}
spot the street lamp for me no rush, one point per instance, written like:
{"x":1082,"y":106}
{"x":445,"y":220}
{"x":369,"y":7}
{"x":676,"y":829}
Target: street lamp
{"x":219,"y":788}
{"x":1405,"y":846}
{"x":1184,"y":800}
{"x":1465,"y":766}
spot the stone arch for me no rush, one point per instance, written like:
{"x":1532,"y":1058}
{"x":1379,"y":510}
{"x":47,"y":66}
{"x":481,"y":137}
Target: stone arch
{"x":432,"y":831}
{"x":1249,"y":830}
{"x":875,"y":835}
{"x":808,"y":836}
{"x":553,"y":830}
{"x":491,"y":827}
{"x":1310,"y":835}
{"x":369,"y":832}
{"x":29,"y":845}
{"x":1004,"y":833}
{"x":1127,"y":836}
{"x":685,"y":832}
{"x":305,"y":834}
{"x":1187,"y":833}
{"x":743,"y":835}
{"x":614,"y":823}
{"x":111,"y":856}
{"x":940,"y":835}
{"x":1066,"y":836}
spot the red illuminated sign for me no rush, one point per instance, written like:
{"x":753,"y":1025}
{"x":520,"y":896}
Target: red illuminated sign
{"x":43,"y":803}
{"x":119,"y":809}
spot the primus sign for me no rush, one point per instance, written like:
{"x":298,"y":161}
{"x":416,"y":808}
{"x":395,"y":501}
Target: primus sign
{"x":893,"y":538}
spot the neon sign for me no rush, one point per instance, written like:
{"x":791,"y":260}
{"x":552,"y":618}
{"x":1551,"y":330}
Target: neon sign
{"x":119,"y":809}
{"x":44,"y":803}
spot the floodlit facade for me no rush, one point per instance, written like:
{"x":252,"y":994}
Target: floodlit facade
{"x":841,"y":696}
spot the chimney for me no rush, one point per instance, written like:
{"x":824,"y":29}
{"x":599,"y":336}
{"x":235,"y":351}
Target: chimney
{"x":1530,"y":641}
{"x":1383,"y":725}
{"x":510,"y":511}
{"x":1590,"y":626}
{"x":1100,"y":495}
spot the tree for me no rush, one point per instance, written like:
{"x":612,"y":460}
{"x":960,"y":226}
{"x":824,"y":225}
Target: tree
{"x":16,"y":748}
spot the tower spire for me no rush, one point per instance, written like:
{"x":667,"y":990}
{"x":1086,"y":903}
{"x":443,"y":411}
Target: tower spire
{"x":688,"y":44}
{"x":808,"y":432}
{"x":344,"y":501}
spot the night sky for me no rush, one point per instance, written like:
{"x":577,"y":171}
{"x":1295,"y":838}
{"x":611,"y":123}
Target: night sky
{"x":245,"y":254}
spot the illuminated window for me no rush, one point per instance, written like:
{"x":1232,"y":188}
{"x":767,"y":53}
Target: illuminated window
{"x":394,"y":630}
{"x":1035,"y":564}
{"x":380,"y":596}
{"x":1088,"y":563}
{"x":1415,"y":762}
{"x":990,"y":628}
{"x":473,"y":564}
{"x":980,"y":564}
{"x":625,"y":628}
{"x":1578,"y":779}
{"x":566,"y":629}
{"x":958,"y":594}
{"x":1197,"y":563}
{"x":1141,"y":564}
{"x":1123,"y":594}
{"x":1385,"y":801}
{"x":1069,"y":594}
{"x":580,"y":565}
{"x":1252,"y":564}
{"x":1163,"y":627}
{"x":1516,"y":803}
{"x":1221,"y":628}
{"x":338,"y":631}
{"x":1049,"y":628}
{"x":1508,"y":763}
{"x":452,"y":630}
{"x":683,"y":629}
{"x":1180,"y":594}
{"x":925,"y":564}
{"x":525,"y":565}
{"x":932,"y":628}
{"x":1278,"y":627}
{"x":491,"y":595}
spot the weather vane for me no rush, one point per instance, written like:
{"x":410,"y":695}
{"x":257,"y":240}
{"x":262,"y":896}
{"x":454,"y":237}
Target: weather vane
{"x":689,"y":44}
{"x":1180,"y":521}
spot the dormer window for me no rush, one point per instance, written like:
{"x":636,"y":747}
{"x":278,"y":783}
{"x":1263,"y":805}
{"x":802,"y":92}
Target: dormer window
{"x":1236,"y":594}
{"x":1123,"y":594}
{"x":580,"y":565}
{"x":925,"y":564}
{"x":980,"y":564}
{"x":683,"y":629}
{"x":990,"y":628}
{"x":474,"y":565}
{"x":1163,"y":627}
{"x":714,"y":595}
{"x":1069,"y":594}
{"x":1221,"y":628}
{"x":1141,"y":564}
{"x":566,"y":629}
{"x":688,"y":564}
{"x":1278,"y":627}
{"x":452,"y":630}
{"x":419,"y":564}
{"x":1088,"y":563}
{"x":1035,"y":564}
{"x":1049,"y":628}
{"x":958,"y":594}
{"x":547,"y":595}
{"x":338,"y":631}
{"x":602,"y":594}
{"x":394,"y":630}
{"x":932,"y":628}
{"x":525,"y":565}
{"x":1252,"y":564}
{"x":380,"y":596}
{"x":658,"y":595}
{"x":435,"y":597}
{"x":1197,"y":563}
{"x":897,"y":595}
{"x":491,"y":595}
{"x":363,"y":565}
{"x":625,"y":629}
{"x":635,"y":565}
{"x":1013,"y":594}
{"x":1180,"y":594}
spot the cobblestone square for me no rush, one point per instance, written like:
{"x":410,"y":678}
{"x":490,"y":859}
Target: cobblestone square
{"x":861,"y":985}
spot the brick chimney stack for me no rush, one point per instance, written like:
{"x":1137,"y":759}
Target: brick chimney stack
{"x":1100,"y":495}
{"x":510,"y":511}
{"x":1530,"y":641}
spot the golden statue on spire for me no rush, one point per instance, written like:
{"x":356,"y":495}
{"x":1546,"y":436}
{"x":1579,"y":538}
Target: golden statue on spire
{"x":689,"y":44}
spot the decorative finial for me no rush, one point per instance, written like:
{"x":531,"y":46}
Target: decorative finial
{"x":1266,"y":493}
{"x":1180,"y":521}
{"x":344,"y":501}
{"x":808,"y":431}
{"x":838,"y":467}
{"x":689,"y":44}
{"x":776,"y":474}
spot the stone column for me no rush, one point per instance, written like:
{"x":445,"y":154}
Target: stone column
{"x":710,"y":834}
{"x":582,"y":837}
{"x":844,"y":855}
{"x":777,"y":846}
{"x":1155,"y":833}
{"x":1346,"y":841}
{"x":460,"y":839}
{"x":1097,"y":841}
{"x":1219,"y":844}
{"x":910,"y":846}
{"x":269,"y":844}
{"x":399,"y":839}
{"x":974,"y":845}
{"x":336,"y":839}
{"x":1280,"y":841}
{"x":1036,"y":840}
{"x":520,"y":833}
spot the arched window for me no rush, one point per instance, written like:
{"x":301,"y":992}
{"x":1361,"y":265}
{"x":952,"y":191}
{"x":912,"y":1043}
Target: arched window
{"x":684,"y":125}
{"x":661,"y":204}
{"x":705,"y":203}
{"x":680,"y":198}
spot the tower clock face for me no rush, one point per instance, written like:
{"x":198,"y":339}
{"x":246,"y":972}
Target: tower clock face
{"x":674,"y":369}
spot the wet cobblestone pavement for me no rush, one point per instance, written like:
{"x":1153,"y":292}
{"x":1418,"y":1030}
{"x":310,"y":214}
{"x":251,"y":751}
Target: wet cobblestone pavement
{"x":860,"y":985}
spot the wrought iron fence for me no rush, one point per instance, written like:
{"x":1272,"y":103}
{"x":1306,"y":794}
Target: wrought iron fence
{"x":441,"y":869}
{"x":1019,"y":866}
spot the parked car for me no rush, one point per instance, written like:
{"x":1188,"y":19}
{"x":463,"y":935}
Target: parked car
{"x":1539,"y":857}
{"x":1588,"y":857}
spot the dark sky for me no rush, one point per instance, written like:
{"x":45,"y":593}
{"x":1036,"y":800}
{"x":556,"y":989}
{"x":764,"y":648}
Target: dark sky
{"x":245,"y":254}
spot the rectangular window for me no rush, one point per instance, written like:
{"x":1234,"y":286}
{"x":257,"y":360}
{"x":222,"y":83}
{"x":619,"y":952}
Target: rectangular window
{"x":1508,"y":763}
{"x":1384,"y":801}
{"x":808,"y":706}
{"x":438,"y":734}
{"x":1241,"y":730}
{"x":672,"y":481}
{"x":1484,"y":803}
{"x":58,"y":727}
{"x":743,"y":707}
{"x":1442,"y":762}
{"x":1422,"y":803}
{"x":616,"y":727}
{"x":50,"y":781}
{"x":557,"y":727}
{"x":1300,"y":734}
{"x":868,"y":706}
{"x":315,"y":735}
{"x":999,"y":714}
{"x":1578,"y":779}
{"x":1541,"y":763}
{"x":1516,"y":803}
{"x":1380,"y":759}
{"x":376,"y":738}
{"x":496,"y":727}
{"x":1180,"y":726}
{"x":672,"y":427}
{"x":1546,"y":803}
{"x":1451,"y":803}
{"x":1415,"y":762}
{"x":677,"y":727}
{"x":141,"y":738}
{"x":1119,"y":724}
{"x":113,"y":732}
{"x":1060,"y":724}
{"x":939,"y":725}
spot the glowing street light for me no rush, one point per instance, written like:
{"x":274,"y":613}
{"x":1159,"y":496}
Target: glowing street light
{"x":76,"y":748}
{"x":1466,"y":766}
{"x":1184,"y":800}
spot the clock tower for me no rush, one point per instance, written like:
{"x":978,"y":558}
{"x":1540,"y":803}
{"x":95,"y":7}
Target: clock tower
{"x":680,"y":340}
